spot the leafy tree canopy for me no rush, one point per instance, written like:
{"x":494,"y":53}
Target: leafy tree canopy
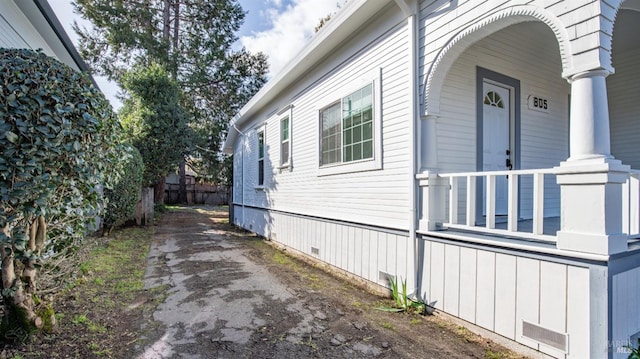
{"x":193,"y":40}
{"x":154,"y":121}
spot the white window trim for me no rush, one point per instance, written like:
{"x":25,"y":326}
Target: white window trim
{"x":288,"y":110}
{"x":261,"y":129}
{"x":370,"y":164}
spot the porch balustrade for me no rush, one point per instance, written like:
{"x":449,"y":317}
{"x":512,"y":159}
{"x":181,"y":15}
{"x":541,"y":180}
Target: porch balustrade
{"x":464,"y":192}
{"x":463,"y":212}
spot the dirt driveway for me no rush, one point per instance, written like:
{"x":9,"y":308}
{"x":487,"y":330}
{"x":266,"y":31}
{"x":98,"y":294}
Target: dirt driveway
{"x":232,"y":295}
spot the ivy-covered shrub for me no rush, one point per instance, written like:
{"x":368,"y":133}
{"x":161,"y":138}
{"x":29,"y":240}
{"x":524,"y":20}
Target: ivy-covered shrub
{"x":125,"y":194}
{"x":59,"y":144}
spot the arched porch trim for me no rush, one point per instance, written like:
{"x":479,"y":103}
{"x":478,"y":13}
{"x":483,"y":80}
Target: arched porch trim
{"x":471,"y":34}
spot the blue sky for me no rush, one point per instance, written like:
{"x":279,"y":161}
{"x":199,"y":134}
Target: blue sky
{"x":278,"y":28}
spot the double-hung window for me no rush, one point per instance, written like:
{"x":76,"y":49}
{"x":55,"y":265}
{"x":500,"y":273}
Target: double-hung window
{"x":347,"y":128}
{"x":284,"y":141}
{"x":260,"y":158}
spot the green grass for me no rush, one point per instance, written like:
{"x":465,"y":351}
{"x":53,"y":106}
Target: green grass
{"x":96,"y":328}
{"x":79,"y":319}
{"x":493,"y":355}
{"x":387,"y":325}
{"x":282,"y":259}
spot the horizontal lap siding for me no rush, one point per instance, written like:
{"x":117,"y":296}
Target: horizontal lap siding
{"x":378,"y":197}
{"x":8,"y":37}
{"x":15,"y":29}
{"x":498,"y":291}
{"x":624,"y":106}
{"x":442,"y":20}
{"x":544,"y":136}
{"x":17,"y":32}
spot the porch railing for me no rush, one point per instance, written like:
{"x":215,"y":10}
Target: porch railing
{"x":463,"y":194}
{"x":631,"y":205}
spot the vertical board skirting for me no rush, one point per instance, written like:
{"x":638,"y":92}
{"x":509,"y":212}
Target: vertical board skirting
{"x":468,"y":269}
{"x":351,"y":258}
{"x":486,"y":290}
{"x":626,"y":312}
{"x":401,"y":265}
{"x":527,"y":296}
{"x":452,"y":279}
{"x":366,"y":257}
{"x":357,"y":254}
{"x":553,"y":297}
{"x":437,"y":275}
{"x":505,"y":300}
{"x":360,"y":251}
{"x":381,"y":249}
{"x":391,"y":248}
{"x":500,"y":291}
{"x":577,"y":306}
{"x":344,"y":243}
{"x":425,"y":271}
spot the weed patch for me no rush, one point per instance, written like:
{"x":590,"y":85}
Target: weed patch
{"x":95,"y":313}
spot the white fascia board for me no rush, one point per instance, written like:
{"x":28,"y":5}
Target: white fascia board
{"x":340,"y":29}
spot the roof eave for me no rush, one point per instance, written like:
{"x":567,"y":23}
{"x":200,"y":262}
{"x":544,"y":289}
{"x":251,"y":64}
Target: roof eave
{"x":340,"y":28}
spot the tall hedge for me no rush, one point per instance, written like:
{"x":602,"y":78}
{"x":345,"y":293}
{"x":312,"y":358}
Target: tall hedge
{"x":59,"y":144}
{"x":125,"y":194}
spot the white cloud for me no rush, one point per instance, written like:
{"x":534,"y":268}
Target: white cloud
{"x":291,"y":28}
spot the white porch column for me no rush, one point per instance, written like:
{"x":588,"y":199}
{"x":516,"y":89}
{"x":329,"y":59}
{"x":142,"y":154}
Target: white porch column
{"x":589,"y":116}
{"x":591,"y":179}
{"x":433,"y":187}
{"x":428,"y":144}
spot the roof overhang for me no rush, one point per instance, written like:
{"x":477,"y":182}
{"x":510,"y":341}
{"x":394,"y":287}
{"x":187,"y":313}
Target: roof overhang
{"x":341,"y":28}
{"x":44,"y":20}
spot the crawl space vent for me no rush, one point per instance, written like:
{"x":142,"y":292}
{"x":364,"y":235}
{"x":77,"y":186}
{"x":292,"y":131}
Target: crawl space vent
{"x":383,"y":278}
{"x":545,"y":336}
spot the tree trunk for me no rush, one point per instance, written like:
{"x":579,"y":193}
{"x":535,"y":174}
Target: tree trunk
{"x":18,"y":280}
{"x":182,"y":183}
{"x":166,"y":24}
{"x":176,"y":27}
{"x":158,"y":190}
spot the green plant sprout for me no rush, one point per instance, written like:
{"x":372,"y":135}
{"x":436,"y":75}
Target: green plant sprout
{"x":403,"y":303}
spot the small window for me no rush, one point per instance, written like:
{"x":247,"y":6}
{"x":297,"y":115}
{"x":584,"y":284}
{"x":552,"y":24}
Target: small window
{"x":260,"y":158}
{"x":493,"y":99}
{"x":331,"y":135}
{"x":284,"y":141}
{"x":347,"y":128}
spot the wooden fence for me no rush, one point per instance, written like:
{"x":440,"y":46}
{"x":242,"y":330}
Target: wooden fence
{"x":198,"y":194}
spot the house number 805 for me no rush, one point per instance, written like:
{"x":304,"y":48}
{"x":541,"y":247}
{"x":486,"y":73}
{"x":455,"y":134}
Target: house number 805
{"x":540,"y":103}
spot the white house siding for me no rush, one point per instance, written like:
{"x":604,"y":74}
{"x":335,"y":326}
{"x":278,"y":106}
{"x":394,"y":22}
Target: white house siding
{"x":624,"y":90}
{"x":378,"y":197}
{"x":624,"y":108}
{"x":588,"y":26}
{"x":16,"y":31}
{"x":497,"y":290}
{"x":238,"y":175}
{"x":367,"y":252}
{"x":515,"y":52}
